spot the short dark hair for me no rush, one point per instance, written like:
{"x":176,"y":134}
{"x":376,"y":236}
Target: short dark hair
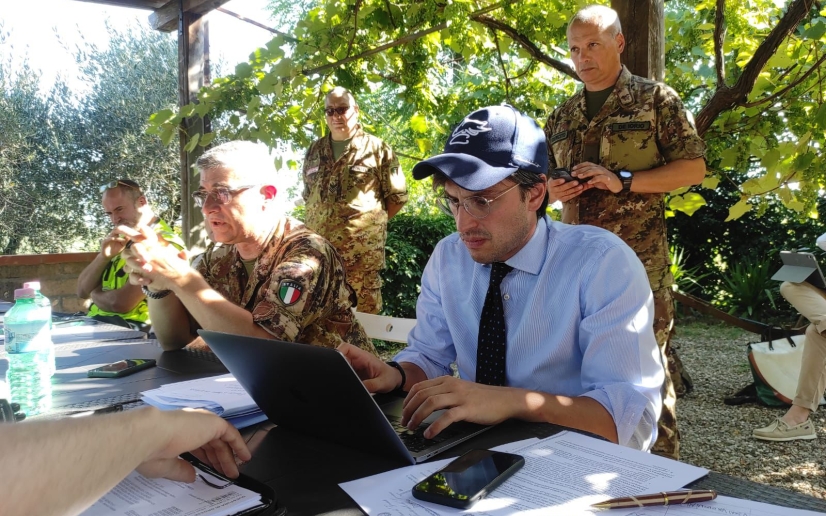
{"x":526,"y":181}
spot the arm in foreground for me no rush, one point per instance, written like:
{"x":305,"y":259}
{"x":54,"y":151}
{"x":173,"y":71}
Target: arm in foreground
{"x":62,"y":467}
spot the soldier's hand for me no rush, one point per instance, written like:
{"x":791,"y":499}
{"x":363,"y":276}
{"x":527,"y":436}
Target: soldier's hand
{"x":597,"y":176}
{"x":150,"y":260}
{"x":559,"y":190}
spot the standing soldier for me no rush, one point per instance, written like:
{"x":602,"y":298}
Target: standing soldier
{"x":352,"y":185}
{"x":628,"y":140}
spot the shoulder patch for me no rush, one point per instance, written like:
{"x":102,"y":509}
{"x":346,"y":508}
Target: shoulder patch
{"x":631,"y":126}
{"x":289,"y":292}
{"x":558,"y":137}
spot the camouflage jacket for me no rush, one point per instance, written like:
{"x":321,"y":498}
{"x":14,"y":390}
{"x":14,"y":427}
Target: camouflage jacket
{"x":347,"y":198}
{"x":297,"y":292}
{"x":642,"y":125}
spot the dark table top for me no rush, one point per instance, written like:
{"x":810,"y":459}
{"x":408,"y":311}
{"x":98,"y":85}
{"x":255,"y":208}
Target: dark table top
{"x":305,"y":471}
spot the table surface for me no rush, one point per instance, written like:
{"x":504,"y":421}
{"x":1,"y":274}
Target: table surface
{"x":304,"y":471}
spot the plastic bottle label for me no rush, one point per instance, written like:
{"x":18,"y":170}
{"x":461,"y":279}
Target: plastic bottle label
{"x":27,"y":338}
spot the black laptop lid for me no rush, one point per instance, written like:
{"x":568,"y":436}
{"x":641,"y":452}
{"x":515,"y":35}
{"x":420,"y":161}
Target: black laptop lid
{"x":307,"y":388}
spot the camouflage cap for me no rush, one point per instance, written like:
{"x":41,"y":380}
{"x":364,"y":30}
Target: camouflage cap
{"x":489,"y":145}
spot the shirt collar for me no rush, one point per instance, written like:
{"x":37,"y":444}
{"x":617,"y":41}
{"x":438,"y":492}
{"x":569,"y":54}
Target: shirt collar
{"x":531,"y":257}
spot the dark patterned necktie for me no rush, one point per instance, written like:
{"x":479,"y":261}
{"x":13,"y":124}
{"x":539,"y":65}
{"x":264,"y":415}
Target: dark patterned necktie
{"x":490,"y":353}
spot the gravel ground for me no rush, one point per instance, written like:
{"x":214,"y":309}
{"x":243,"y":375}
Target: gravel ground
{"x":718,"y":437}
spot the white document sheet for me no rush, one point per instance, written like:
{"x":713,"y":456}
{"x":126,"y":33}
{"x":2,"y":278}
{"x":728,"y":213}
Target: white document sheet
{"x":721,"y":506}
{"x":137,"y":495}
{"x":222,"y":395}
{"x":563,"y":475}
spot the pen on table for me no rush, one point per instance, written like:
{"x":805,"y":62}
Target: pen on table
{"x":656,"y":499}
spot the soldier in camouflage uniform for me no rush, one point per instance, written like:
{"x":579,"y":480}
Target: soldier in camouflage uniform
{"x":352,"y":186}
{"x":628,"y":140}
{"x":266,"y":275}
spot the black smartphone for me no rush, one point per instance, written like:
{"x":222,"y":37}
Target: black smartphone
{"x":122,"y":368}
{"x":563,"y":173}
{"x":468,"y":478}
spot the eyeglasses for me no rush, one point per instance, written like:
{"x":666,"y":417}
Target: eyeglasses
{"x":330,"y":111}
{"x":221,"y":194}
{"x":128,"y":183}
{"x":476,"y":206}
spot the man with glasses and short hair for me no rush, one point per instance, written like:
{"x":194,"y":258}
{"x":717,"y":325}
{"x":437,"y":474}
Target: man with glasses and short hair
{"x":545,"y":321}
{"x":265,"y":274}
{"x":352,"y":185}
{"x":104,"y":281}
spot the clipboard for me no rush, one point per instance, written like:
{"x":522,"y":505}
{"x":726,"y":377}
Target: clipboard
{"x":268,"y":498}
{"x":799,"y":267}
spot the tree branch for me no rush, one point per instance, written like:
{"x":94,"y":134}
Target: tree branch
{"x":796,"y":82}
{"x":502,"y":65}
{"x":726,"y":97}
{"x":401,"y":41}
{"x":527,"y":44}
{"x":355,"y":27}
{"x":719,"y":38}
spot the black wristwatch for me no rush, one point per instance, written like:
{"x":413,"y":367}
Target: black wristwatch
{"x":626,"y":176}
{"x":400,"y":369}
{"x":151,"y":294}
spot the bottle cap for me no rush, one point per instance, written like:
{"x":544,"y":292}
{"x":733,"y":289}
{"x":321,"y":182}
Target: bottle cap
{"x":32,"y":284}
{"x":24,"y":293}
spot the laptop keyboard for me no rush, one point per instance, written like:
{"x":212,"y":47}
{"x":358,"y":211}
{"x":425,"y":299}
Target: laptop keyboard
{"x":415,"y":441}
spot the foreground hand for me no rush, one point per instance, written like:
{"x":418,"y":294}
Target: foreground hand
{"x":462,"y":401}
{"x":598,"y":176}
{"x":150,"y":260}
{"x":205,"y":435}
{"x":561,"y":190}
{"x":375,"y":374}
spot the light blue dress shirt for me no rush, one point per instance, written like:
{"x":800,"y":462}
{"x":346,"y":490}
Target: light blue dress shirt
{"x":579,"y":314}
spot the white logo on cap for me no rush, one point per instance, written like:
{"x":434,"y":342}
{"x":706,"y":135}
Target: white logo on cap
{"x":470,"y":127}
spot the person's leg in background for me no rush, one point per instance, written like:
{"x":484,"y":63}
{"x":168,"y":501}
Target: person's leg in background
{"x":668,"y":435}
{"x":810,"y":301}
{"x":367,"y":285}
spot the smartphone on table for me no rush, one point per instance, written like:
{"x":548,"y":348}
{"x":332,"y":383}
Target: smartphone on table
{"x":468,"y":478}
{"x":122,"y":368}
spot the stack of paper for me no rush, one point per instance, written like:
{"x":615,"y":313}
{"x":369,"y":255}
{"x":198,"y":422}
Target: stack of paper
{"x":222,"y":395}
{"x":563,"y":475}
{"x":137,"y":495}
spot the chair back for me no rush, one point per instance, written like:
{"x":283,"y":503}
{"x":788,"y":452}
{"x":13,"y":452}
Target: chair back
{"x":392,"y":329}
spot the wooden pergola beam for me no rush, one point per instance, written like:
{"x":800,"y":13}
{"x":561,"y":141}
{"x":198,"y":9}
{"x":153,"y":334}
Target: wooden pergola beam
{"x":166,"y":18}
{"x":134,"y":4}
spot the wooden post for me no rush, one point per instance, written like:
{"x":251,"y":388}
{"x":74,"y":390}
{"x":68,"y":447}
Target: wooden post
{"x":643,"y":25}
{"x":193,"y":73}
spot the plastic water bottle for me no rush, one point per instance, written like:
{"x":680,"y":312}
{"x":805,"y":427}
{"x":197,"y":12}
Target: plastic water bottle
{"x":44,"y":302}
{"x":28,"y":343}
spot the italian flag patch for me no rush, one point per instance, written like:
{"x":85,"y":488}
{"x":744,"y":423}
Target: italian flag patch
{"x":289,"y":292}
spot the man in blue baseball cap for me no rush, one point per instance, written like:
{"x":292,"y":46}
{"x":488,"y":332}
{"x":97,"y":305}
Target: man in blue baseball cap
{"x":544,"y":321}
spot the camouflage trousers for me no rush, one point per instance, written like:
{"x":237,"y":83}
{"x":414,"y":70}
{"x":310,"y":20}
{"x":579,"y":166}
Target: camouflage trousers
{"x":367,"y":285}
{"x":668,"y":435}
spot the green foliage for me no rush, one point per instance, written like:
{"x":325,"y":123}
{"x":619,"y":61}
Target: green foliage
{"x":770,"y":144}
{"x":686,"y":278}
{"x":747,"y":288}
{"x":57,"y":148}
{"x":419,"y":67}
{"x":410,"y":241}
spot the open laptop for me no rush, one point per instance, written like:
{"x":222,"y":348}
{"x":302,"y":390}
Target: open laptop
{"x":799,"y":267}
{"x":314,"y":390}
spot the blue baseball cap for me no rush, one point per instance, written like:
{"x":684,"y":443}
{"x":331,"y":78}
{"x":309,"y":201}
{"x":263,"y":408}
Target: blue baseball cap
{"x":489,"y":145}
